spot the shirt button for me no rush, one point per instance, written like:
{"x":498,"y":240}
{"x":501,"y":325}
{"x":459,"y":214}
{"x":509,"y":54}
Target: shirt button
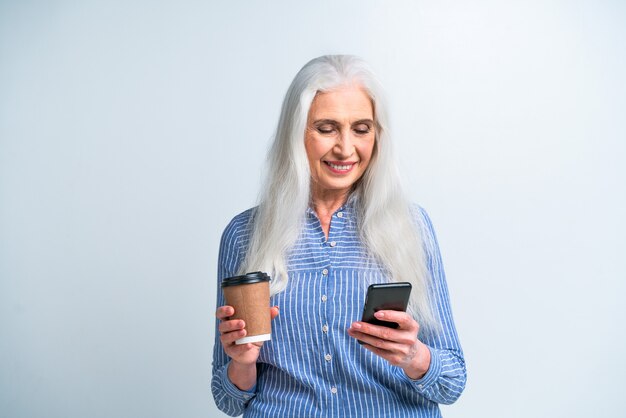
{"x":325,"y":272}
{"x":420,"y":387}
{"x":327,"y":357}
{"x":333,"y":390}
{"x":324,"y":298}
{"x":340,"y":214}
{"x":325,"y":328}
{"x":333,"y":243}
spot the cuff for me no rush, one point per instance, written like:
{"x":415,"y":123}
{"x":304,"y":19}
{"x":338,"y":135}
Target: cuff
{"x":232,"y":390}
{"x":431,"y":376}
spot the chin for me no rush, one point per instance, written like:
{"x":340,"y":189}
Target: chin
{"x":347,"y":185}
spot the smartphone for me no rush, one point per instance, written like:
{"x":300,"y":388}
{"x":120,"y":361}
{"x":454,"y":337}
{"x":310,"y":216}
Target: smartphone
{"x":385,"y":296}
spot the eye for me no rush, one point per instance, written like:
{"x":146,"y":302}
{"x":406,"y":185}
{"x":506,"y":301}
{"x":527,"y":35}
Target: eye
{"x":326,"y":129}
{"x":362,"y":129}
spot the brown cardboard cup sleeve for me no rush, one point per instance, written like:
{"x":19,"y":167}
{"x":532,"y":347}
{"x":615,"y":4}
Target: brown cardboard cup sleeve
{"x":249,"y":294}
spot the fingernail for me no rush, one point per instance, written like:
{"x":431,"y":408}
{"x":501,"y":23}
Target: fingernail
{"x":379,"y":314}
{"x":356,"y":325}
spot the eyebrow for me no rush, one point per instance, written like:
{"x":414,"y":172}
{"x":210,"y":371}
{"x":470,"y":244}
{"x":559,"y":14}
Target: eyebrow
{"x":325,"y":121}
{"x":334,"y":122}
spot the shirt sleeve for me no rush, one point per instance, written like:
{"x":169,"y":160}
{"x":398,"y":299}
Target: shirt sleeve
{"x":228,"y":398}
{"x":446,"y":377}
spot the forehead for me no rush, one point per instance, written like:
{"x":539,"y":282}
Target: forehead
{"x":346,"y":102}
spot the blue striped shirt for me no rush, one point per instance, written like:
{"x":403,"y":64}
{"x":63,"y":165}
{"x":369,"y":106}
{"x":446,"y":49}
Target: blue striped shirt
{"x":312,"y":367}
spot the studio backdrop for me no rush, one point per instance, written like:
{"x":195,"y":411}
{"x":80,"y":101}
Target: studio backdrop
{"x":132,"y":132}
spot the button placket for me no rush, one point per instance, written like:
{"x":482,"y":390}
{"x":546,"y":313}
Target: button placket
{"x":328,"y":253}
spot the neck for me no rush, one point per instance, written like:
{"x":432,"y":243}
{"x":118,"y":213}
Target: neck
{"x":325,"y":203}
{"x":328,"y":201}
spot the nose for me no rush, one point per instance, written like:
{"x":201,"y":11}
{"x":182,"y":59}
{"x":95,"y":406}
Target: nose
{"x":344,"y":147}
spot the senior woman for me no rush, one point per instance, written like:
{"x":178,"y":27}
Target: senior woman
{"x":331,"y":220}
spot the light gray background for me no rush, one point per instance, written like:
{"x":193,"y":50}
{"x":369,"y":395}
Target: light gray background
{"x":131,"y":132}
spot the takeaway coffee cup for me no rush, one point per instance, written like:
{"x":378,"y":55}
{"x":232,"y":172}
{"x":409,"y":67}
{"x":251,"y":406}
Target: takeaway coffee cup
{"x":249,"y":294}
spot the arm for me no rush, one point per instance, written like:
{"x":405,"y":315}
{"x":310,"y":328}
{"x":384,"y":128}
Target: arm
{"x":432,"y":365}
{"x":446,"y":376}
{"x":228,"y":397}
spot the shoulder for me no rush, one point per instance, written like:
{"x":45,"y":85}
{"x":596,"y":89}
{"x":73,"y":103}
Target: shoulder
{"x":424,"y":225}
{"x":239,"y":228}
{"x":420,"y":216}
{"x":234,"y":242}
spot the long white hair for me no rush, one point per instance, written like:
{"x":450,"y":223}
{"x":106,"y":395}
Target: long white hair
{"x":386,"y":224}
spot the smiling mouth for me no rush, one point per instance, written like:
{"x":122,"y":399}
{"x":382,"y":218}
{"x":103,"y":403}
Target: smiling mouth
{"x":340,"y":167}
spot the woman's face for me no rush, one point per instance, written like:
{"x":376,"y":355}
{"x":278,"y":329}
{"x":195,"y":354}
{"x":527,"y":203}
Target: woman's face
{"x":339,"y":139}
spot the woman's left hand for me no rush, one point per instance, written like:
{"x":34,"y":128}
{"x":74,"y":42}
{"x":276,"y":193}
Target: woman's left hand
{"x":399,"y":346}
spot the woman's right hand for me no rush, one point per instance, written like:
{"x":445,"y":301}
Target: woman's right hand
{"x":233,"y":329}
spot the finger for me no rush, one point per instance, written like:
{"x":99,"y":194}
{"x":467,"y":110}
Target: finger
{"x":389,"y":350}
{"x":237,"y":351}
{"x":391,"y":357}
{"x":362,"y":337}
{"x":223,"y":312}
{"x":379,"y":331}
{"x":385,"y":333}
{"x":229,"y":338}
{"x":382,"y":344}
{"x":229,"y":326}
{"x":241,"y":349}
{"x":274,"y":311}
{"x":403,"y":319}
